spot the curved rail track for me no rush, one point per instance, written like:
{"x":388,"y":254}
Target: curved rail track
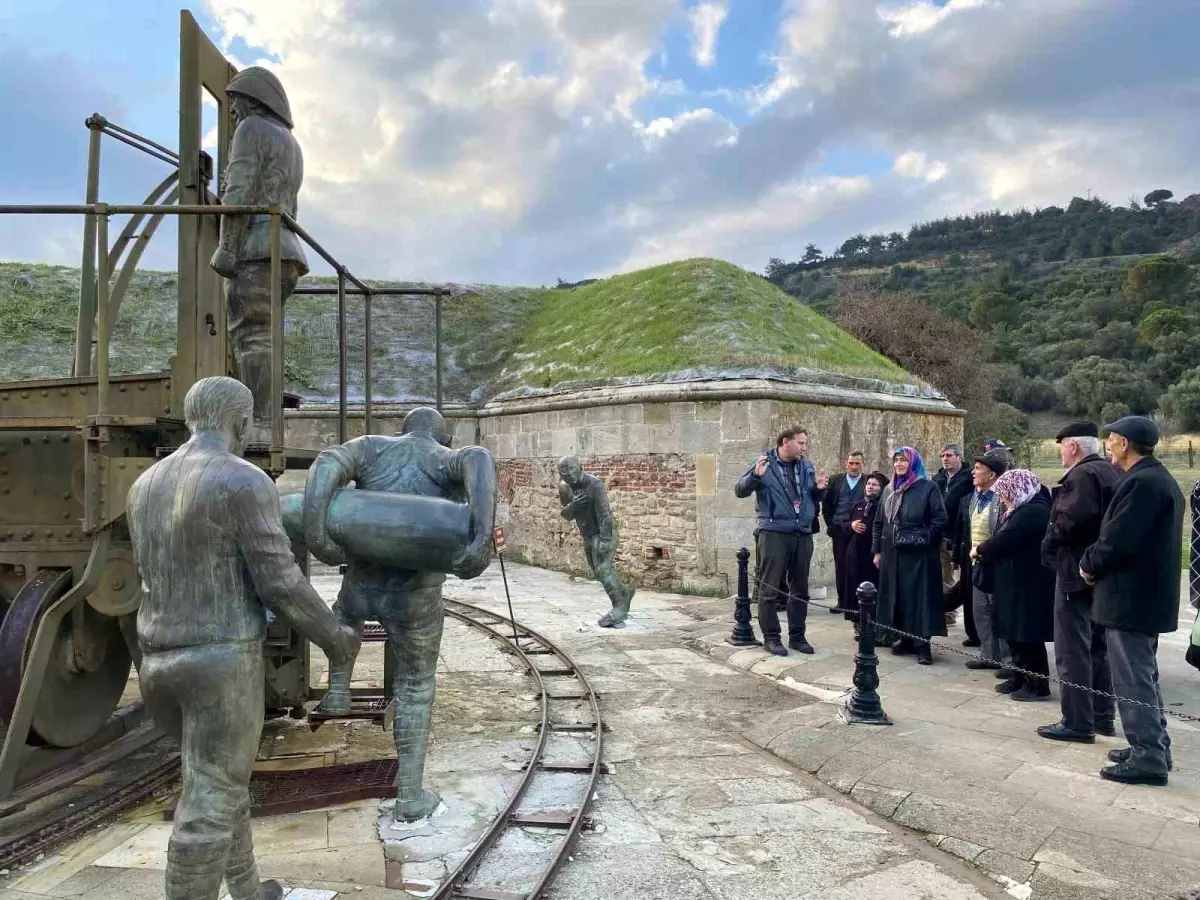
{"x":561,"y":687}
{"x":530,"y":646}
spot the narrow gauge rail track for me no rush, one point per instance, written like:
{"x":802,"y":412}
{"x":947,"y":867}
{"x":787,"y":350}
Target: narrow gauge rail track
{"x":527,"y":644}
{"x":523,"y":642}
{"x":27,"y":847}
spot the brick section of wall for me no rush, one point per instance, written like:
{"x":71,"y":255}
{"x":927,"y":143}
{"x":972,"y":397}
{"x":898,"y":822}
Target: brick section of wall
{"x":653,"y":499}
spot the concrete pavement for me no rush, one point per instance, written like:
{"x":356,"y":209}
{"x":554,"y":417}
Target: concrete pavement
{"x":964,"y":765}
{"x":692,"y":809}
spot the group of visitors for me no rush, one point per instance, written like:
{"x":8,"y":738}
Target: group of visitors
{"x":1092,"y":566}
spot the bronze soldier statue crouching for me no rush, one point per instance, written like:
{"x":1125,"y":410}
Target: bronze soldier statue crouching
{"x":418,"y":512}
{"x":209,"y":541}
{"x":585,"y":501}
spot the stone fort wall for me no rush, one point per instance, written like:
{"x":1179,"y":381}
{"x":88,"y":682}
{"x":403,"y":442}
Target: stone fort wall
{"x":670,"y":455}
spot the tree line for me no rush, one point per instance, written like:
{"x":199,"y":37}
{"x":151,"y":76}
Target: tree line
{"x":1092,"y":310}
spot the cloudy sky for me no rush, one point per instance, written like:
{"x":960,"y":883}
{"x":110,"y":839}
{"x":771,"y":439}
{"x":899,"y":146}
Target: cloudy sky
{"x":520,"y":141}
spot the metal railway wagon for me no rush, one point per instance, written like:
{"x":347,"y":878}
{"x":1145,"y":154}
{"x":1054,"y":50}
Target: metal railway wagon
{"x":70,"y":448}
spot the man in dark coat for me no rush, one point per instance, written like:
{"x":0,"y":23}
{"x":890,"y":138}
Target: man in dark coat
{"x":955,"y":482}
{"x":977,"y":520}
{"x":1134,"y":566}
{"x":1080,"y":645}
{"x":786,"y":491}
{"x":844,"y":490}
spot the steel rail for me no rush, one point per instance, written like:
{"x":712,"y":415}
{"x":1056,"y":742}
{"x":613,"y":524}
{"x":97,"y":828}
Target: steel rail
{"x":27,"y":846}
{"x":455,"y":885}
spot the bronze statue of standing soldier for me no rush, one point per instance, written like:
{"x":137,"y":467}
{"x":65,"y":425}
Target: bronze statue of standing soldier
{"x":265,"y":167}
{"x":585,"y":501}
{"x":209,"y":541}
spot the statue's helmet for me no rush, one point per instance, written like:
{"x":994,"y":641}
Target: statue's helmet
{"x":261,"y":84}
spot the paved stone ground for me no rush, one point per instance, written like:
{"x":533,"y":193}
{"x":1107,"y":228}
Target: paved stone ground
{"x":964,"y":765}
{"x":692,"y":809}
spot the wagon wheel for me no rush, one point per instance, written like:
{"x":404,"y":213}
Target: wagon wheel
{"x":83,"y":681}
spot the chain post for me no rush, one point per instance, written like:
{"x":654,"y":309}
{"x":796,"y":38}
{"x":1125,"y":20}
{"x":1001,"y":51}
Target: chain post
{"x":743,"y":631}
{"x":863,"y":706}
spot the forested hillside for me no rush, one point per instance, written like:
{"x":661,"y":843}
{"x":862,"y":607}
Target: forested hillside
{"x":1092,"y":310}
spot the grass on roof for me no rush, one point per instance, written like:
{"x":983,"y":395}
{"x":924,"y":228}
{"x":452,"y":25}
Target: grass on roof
{"x":697,"y":312}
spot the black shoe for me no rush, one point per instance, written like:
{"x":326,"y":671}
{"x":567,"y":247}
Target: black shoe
{"x":1060,"y":732}
{"x":1026,"y":694}
{"x":1126,"y":774}
{"x":1122,"y":756}
{"x":1005,"y":672}
{"x":801,"y":645}
{"x":982,"y":664}
{"x":775,"y":647}
{"x":1108,"y":729}
{"x":924,"y":659}
{"x":903,"y":647}
{"x":972,"y":642}
{"x":1010,"y":686}
{"x":272,"y":890}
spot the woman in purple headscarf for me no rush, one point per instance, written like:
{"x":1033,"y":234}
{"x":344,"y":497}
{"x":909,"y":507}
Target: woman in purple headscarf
{"x":1023,"y":589}
{"x":907,"y":536}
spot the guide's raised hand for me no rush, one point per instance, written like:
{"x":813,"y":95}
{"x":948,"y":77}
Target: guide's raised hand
{"x":760,"y":467}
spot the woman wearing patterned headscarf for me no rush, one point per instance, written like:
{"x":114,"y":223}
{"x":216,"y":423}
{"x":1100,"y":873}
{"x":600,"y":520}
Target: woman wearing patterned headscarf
{"x":1023,"y":587}
{"x":907,"y":536}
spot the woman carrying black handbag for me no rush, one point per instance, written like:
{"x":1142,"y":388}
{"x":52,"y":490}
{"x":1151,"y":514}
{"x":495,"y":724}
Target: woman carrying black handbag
{"x":907,"y":545}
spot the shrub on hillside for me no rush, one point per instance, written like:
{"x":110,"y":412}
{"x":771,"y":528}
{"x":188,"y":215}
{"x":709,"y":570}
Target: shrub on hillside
{"x":1095,"y":383}
{"x":1181,"y":402}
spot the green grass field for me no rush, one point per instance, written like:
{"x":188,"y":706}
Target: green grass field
{"x":697,"y":312}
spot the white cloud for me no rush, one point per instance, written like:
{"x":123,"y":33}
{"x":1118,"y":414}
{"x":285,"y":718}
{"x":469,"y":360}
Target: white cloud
{"x":738,"y":231}
{"x":521,"y":140}
{"x":921,"y":16}
{"x":914,"y":164}
{"x":706,"y":20}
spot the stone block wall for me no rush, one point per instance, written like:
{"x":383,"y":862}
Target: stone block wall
{"x":670,"y":455}
{"x":653,"y":499}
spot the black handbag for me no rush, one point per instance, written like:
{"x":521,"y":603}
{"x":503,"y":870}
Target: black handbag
{"x":910,"y":536}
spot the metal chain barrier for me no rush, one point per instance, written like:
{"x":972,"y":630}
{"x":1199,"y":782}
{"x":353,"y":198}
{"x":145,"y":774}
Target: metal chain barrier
{"x":1185,"y":717}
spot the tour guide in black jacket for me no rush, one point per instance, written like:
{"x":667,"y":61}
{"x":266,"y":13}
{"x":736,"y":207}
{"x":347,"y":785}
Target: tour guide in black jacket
{"x":786,"y":492}
{"x":1135,"y":566}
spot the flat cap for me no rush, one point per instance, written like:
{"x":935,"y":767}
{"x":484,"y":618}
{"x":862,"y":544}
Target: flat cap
{"x":1078,"y":429}
{"x":1135,"y":429}
{"x":993,"y":461}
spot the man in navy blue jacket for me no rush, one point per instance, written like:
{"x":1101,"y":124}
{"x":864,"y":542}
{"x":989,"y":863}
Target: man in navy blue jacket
{"x":786,"y":491}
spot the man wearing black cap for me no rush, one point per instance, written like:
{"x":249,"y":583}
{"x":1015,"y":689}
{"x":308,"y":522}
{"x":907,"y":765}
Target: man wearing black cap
{"x":978,"y":517}
{"x":1135,"y":565}
{"x":1080,"y":645}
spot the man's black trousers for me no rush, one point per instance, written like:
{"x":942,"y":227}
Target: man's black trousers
{"x":783,"y":563}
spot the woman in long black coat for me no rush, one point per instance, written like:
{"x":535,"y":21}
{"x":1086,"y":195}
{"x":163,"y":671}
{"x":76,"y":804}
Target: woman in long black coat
{"x":910,"y":577}
{"x":858,"y":561}
{"x":1023,"y":588}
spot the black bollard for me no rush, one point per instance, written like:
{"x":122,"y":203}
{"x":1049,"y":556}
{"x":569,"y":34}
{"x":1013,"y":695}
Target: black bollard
{"x":743,"y":631}
{"x":863,"y":706}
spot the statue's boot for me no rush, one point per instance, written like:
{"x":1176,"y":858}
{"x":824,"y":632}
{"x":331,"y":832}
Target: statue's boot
{"x":614,"y":618}
{"x":194,"y":871}
{"x":336,"y":701}
{"x":418,"y":808}
{"x":241,"y":871}
{"x":414,"y":688}
{"x":254,"y":366}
